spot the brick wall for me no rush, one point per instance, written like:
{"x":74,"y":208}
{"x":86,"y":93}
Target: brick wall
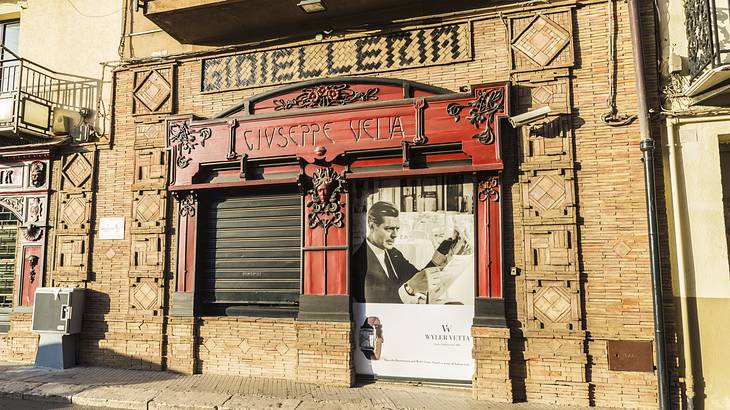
{"x":247,"y":346}
{"x":325,"y":353}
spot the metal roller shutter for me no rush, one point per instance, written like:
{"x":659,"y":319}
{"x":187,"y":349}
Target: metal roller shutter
{"x":249,"y":253}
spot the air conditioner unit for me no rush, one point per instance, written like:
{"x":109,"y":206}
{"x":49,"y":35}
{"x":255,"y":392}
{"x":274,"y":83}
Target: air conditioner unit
{"x":64,"y":121}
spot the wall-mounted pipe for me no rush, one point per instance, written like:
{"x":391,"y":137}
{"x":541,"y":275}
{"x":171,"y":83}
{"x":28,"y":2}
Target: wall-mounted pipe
{"x":647,"y":148}
{"x":681,"y":272}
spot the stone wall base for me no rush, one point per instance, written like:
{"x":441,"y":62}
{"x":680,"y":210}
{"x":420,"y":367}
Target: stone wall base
{"x":246,"y":346}
{"x":556,"y":368}
{"x":19,"y":345}
{"x":325,"y":353}
{"x":491,"y":380}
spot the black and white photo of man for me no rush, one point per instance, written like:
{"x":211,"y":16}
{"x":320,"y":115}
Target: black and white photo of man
{"x":382,"y":274}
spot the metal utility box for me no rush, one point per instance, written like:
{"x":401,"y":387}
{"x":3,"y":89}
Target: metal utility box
{"x":57,"y":316}
{"x":58,"y":310}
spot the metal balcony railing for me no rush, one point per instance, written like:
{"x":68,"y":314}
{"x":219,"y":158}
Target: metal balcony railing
{"x":32,"y":96}
{"x":708,"y":34}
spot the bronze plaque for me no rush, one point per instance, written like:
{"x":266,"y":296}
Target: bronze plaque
{"x":630,"y":355}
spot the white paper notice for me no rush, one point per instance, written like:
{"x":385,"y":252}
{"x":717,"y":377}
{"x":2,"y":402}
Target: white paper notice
{"x":111,"y":228}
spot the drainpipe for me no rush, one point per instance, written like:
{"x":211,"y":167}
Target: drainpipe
{"x":647,"y":148}
{"x":689,"y":383}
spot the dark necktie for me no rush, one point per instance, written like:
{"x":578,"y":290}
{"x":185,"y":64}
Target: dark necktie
{"x":389,"y":265}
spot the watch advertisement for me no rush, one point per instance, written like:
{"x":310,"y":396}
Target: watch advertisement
{"x":412,"y":277}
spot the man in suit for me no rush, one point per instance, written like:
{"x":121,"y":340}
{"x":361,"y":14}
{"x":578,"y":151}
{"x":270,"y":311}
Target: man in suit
{"x":381,"y":274}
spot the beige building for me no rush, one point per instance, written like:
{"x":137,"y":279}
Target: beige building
{"x":697,"y":169}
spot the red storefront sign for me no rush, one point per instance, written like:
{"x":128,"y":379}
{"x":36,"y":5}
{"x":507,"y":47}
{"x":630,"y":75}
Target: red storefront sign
{"x":325,"y":134}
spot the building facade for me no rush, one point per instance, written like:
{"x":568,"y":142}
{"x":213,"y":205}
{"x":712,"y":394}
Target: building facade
{"x":338,"y":195}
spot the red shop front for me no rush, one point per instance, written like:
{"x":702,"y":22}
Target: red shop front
{"x":370,"y":201}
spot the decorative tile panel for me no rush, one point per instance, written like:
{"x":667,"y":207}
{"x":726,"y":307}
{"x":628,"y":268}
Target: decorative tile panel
{"x":145,"y":296}
{"x":547,"y":196}
{"x":149,"y":169}
{"x":542,"y":41}
{"x":74,"y":212}
{"x":153,"y":91}
{"x":77,"y":171}
{"x":533,"y":93}
{"x":553,"y":304}
{"x":72,"y":256}
{"x":148,"y":211}
{"x":547,"y":145}
{"x":147,"y":255}
{"x":550,"y":249}
{"x":149,"y":136}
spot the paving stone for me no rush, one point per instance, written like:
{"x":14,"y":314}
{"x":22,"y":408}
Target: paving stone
{"x":256,"y":402}
{"x":59,"y":392}
{"x":16,"y":389}
{"x":118,"y":397}
{"x":174,"y":400}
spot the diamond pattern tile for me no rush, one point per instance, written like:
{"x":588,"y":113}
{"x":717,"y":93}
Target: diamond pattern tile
{"x":282,"y":348}
{"x":153,"y":91}
{"x":148,"y":208}
{"x":74,"y":211}
{"x":110,"y":253}
{"x":542,"y":40}
{"x":145,"y":296}
{"x":542,"y":95}
{"x":547,"y":192}
{"x":552,"y":303}
{"x":621,"y":248}
{"x":77,"y":170}
{"x":244,"y":346}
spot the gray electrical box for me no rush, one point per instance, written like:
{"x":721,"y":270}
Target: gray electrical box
{"x":58,"y":310}
{"x":57,"y":316}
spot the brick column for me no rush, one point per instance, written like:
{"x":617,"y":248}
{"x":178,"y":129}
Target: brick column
{"x":325,"y":353}
{"x":491,"y":356}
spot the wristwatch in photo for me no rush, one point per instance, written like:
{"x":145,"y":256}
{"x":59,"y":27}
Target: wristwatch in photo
{"x":371,"y":338}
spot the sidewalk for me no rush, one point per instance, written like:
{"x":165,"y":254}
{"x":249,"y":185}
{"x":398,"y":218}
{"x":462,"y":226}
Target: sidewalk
{"x":132,"y":389}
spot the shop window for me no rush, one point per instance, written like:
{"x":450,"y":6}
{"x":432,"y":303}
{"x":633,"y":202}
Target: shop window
{"x":9,"y":39}
{"x":8,"y":231}
{"x":249,"y":253}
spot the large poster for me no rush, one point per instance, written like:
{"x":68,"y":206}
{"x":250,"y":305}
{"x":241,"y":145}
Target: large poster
{"x":413,"y":277}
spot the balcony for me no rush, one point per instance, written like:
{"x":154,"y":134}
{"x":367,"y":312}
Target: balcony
{"x":227,"y":22}
{"x":708,"y":47}
{"x":37,"y":103}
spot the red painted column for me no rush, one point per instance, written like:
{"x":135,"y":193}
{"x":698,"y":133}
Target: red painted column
{"x":325,"y":250}
{"x":186,"y":241}
{"x":30,"y":273}
{"x":489,"y":227}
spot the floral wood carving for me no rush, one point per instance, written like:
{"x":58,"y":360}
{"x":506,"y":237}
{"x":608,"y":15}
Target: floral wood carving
{"x":187,"y":204}
{"x":326,"y":96}
{"x":489,"y":189}
{"x":186,"y":140}
{"x":482,"y":110}
{"x":325,"y":207}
